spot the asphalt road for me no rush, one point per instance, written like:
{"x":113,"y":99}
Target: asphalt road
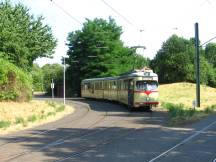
{"x":101,"y":131}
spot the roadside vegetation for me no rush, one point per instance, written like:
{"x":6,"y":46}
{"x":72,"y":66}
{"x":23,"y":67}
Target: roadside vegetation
{"x":17,"y":116}
{"x":24,"y":38}
{"x":177,"y":99}
{"x":96,"y":50}
{"x":15,"y":84}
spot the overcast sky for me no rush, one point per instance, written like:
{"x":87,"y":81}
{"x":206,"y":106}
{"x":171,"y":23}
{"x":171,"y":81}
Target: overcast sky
{"x":157,"y":19}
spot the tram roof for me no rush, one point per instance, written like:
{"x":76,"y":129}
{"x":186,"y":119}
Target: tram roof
{"x":139,"y":74}
{"x":129,"y":75}
{"x":145,"y":72}
{"x":99,"y":79}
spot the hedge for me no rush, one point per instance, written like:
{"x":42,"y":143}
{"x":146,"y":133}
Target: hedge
{"x":15,"y":84}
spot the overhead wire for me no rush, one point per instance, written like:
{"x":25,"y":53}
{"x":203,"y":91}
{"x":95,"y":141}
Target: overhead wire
{"x":66,"y":12}
{"x":118,"y":13}
{"x":124,"y":18}
{"x":208,"y":41}
{"x":206,"y":1}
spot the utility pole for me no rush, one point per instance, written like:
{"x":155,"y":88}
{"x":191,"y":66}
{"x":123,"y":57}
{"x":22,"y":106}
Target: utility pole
{"x":64,"y":79}
{"x":197,"y":65}
{"x":52,"y":87}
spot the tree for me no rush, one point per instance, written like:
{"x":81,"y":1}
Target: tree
{"x":23,"y":38}
{"x":210,"y":53}
{"x":207,"y":72}
{"x":174,"y":62}
{"x":97,"y":51}
{"x":37,"y":76}
{"x":15,"y":84}
{"x":52,"y":71}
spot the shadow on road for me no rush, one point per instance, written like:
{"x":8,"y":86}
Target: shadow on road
{"x":114,"y":142}
{"x":95,"y":104}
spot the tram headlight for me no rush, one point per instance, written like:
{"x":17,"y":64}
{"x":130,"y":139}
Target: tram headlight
{"x":147,"y":98}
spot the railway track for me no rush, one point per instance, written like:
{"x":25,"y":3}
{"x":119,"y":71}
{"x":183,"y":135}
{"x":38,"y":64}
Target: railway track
{"x":60,"y":140}
{"x":90,"y":134}
{"x":98,"y":144}
{"x":103,"y":123}
{"x":15,"y":139}
{"x":57,"y":141}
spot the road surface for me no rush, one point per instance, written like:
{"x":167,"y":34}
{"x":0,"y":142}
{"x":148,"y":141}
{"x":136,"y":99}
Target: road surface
{"x":101,"y":131}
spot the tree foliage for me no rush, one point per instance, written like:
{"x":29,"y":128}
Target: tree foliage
{"x":175,"y":62}
{"x":15,"y":84}
{"x":210,"y":53}
{"x":97,"y":51}
{"x":52,"y":71}
{"x":38,"y":77}
{"x":23,"y":38}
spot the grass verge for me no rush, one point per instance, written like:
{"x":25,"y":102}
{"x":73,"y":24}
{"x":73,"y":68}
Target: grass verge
{"x":17,"y":116}
{"x":185,"y":93}
{"x":181,"y":115}
{"x":4,"y":124}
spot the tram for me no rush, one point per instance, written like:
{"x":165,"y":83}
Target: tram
{"x":136,"y":89}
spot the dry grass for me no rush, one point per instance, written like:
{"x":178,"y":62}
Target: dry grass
{"x":177,"y":98}
{"x":185,"y":93}
{"x":28,"y":114}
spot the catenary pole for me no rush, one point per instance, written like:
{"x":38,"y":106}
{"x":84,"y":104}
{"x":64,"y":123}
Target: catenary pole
{"x":197,"y":65}
{"x":64,"y":80}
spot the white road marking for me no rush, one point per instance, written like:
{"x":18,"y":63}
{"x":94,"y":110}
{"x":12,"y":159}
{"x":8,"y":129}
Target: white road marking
{"x":184,"y":141}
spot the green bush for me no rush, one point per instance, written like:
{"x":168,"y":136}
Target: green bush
{"x":180,"y":115}
{"x":15,"y":84}
{"x":5,"y":124}
{"x":32,"y":118}
{"x":210,"y":109}
{"x":60,"y":108}
{"x":179,"y":110}
{"x":19,"y":120}
{"x":42,"y":116}
{"x":51,"y":113}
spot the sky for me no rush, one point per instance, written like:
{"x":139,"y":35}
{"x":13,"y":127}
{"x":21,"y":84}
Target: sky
{"x":144,"y":22}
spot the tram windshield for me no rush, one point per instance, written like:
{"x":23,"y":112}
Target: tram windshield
{"x":146,"y":85}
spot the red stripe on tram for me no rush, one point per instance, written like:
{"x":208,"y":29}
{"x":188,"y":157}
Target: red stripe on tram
{"x":146,"y":103}
{"x":146,"y":92}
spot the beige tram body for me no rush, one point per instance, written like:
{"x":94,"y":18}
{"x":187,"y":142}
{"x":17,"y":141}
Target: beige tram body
{"x":138,"y":88}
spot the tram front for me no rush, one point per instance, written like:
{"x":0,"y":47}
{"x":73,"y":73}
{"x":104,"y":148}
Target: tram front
{"x":146,"y":90}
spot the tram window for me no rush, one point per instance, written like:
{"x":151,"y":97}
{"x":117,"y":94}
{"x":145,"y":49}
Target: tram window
{"x":101,"y":85}
{"x":122,"y":86}
{"x":105,"y":85}
{"x":118,"y":85}
{"x":131,"y":85}
{"x":145,"y":85}
{"x":91,"y":88}
{"x":96,"y":85}
{"x":86,"y":86}
{"x":125,"y":84}
{"x":114,"y":85}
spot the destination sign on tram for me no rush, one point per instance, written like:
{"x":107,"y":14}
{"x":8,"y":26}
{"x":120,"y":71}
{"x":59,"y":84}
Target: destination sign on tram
{"x":147,"y":78}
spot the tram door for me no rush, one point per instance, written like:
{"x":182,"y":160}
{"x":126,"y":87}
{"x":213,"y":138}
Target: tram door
{"x":130,"y":92}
